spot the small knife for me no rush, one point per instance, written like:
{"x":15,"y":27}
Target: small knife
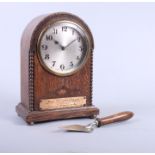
{"x":98,"y":122}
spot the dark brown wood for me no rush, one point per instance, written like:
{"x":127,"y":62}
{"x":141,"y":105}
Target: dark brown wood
{"x":37,"y":83}
{"x":122,"y":116}
{"x":40,"y":116}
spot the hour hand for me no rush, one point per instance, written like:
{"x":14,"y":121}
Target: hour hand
{"x":56,"y":42}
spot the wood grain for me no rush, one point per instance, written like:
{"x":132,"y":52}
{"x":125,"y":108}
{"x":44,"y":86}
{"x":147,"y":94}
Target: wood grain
{"x":38,"y":84}
{"x":122,"y":116}
{"x":58,"y":114}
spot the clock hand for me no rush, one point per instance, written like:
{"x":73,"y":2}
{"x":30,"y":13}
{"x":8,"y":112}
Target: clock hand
{"x":56,"y":42}
{"x":69,"y":44}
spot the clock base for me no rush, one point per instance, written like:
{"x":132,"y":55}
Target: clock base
{"x":39,"y":116}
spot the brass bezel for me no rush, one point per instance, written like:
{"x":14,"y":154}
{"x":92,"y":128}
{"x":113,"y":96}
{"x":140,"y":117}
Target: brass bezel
{"x":85,"y":36}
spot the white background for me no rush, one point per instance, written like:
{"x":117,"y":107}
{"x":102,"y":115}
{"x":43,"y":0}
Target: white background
{"x":124,"y":79}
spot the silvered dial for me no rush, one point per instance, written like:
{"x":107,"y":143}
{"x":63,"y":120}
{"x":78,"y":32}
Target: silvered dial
{"x":63,"y":48}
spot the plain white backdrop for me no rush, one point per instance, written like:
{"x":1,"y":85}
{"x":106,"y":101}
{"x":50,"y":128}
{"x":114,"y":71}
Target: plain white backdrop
{"x":124,"y":79}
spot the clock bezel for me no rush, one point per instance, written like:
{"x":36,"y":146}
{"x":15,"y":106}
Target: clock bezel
{"x":76,"y":25}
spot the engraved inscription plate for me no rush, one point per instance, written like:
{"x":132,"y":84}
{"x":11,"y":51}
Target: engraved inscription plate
{"x":69,"y":102}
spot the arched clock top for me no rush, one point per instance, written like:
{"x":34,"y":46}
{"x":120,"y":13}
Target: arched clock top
{"x":38,"y":24}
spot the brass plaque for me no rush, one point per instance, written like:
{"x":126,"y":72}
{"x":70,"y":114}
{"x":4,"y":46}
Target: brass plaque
{"x":69,"y":102}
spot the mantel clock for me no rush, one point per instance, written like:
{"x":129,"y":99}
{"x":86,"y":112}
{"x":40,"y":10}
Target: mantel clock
{"x":56,"y":69}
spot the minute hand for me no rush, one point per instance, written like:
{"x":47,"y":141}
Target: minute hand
{"x":70,"y":43}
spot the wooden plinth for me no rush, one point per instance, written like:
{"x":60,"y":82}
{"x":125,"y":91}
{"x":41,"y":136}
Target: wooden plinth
{"x":39,"y":116}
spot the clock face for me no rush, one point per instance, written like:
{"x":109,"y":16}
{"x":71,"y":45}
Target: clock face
{"x":63,"y":48}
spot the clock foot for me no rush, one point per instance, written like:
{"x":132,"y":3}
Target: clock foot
{"x":30,"y":123}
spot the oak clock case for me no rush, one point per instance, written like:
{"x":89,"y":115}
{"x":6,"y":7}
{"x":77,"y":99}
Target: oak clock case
{"x":56,"y":69}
